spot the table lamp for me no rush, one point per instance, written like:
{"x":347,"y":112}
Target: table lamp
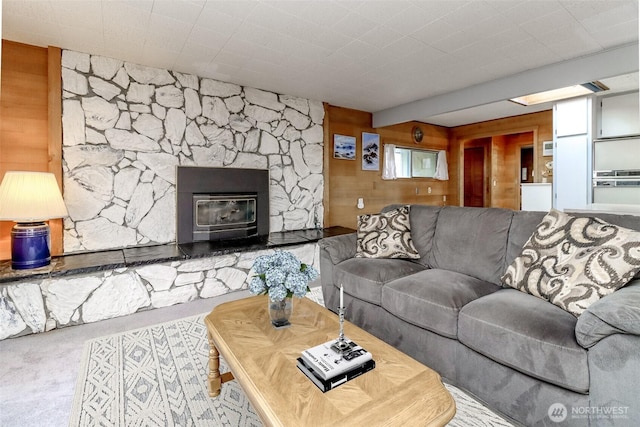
{"x":29,"y":199}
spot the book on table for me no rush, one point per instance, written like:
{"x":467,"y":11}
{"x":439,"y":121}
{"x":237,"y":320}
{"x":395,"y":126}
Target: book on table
{"x":326,"y":385}
{"x":327,"y":363}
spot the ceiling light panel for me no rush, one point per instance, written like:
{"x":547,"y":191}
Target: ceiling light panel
{"x":552,"y":95}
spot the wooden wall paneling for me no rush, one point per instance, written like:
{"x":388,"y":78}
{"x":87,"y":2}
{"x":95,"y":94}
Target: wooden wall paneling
{"x":326,"y":153}
{"x":496,"y":150}
{"x":347,"y":181}
{"x":54,"y":148}
{"x":517,"y":142}
{"x":455,"y":158}
{"x":24,"y":110}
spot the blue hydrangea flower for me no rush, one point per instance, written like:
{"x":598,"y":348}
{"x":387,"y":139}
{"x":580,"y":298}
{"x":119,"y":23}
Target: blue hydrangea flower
{"x":257,"y":285}
{"x":277,"y":293}
{"x":311,"y":273}
{"x":275,"y":277}
{"x":261,"y":264}
{"x":281,"y":275}
{"x":297,"y":283}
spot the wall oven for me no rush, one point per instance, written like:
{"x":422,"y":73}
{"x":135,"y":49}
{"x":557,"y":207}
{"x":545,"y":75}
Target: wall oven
{"x":617,"y":187}
{"x":616,"y":171}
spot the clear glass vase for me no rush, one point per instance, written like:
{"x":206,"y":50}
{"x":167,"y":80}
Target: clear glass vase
{"x":280,"y":312}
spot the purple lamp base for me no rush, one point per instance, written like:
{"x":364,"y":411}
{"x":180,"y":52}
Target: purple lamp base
{"x":30,"y":245}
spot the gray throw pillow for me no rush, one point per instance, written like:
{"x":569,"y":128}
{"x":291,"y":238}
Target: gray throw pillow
{"x":573,"y":262}
{"x":386,"y":235}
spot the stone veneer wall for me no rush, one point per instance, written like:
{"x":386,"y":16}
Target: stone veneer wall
{"x":126,"y":127}
{"x":42,"y":305}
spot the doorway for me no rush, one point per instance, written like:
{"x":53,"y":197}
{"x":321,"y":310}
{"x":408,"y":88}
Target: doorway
{"x":474,"y":177}
{"x":526,"y":164}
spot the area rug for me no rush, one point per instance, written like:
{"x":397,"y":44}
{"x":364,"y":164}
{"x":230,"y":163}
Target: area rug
{"x":156,"y":376}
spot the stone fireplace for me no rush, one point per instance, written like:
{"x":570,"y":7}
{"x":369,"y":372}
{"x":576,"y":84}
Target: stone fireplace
{"x":221,"y":203}
{"x":127,"y":127}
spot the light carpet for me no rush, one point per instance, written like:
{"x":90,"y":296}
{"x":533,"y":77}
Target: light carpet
{"x":156,"y":376}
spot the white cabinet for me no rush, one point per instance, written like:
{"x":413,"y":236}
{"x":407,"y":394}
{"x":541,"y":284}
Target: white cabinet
{"x":619,"y":115}
{"x":572,"y":117}
{"x":571,"y":173}
{"x":573,"y":124}
{"x":536,"y":197}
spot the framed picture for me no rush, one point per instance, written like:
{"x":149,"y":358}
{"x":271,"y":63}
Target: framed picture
{"x":344,"y":147}
{"x":370,"y":151}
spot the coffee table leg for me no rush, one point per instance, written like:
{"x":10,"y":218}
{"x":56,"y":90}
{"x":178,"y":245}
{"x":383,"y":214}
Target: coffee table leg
{"x":215,"y":382}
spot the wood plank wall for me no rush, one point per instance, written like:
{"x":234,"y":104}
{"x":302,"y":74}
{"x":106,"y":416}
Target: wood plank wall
{"x":506,"y":137}
{"x":29,"y":139}
{"x":345,"y":181}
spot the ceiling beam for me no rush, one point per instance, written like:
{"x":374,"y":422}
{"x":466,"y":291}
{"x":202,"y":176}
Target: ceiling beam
{"x":608,"y":63}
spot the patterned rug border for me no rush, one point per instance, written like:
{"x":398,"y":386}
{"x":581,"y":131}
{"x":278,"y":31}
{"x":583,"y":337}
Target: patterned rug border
{"x":142,"y":328}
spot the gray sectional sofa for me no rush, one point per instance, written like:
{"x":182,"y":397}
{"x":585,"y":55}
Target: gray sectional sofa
{"x":524,"y":357}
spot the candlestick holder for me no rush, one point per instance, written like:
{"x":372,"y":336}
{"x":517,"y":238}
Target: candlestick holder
{"x":341,"y":345}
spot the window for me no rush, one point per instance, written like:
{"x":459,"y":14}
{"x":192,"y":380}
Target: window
{"x":403,"y":163}
{"x":415,"y":163}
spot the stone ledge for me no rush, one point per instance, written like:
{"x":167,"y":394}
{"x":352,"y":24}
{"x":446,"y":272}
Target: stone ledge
{"x":86,"y":288}
{"x":90,"y":262}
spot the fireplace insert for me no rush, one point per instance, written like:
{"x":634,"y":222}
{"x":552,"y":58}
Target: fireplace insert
{"x":221,"y":203}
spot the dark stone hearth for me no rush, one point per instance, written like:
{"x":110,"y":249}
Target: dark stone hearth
{"x":91,"y":262}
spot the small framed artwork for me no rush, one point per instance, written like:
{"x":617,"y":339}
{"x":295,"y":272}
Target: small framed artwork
{"x":370,"y":151}
{"x":344,"y":147}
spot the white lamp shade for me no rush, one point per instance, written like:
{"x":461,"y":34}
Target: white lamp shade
{"x":30,"y":197}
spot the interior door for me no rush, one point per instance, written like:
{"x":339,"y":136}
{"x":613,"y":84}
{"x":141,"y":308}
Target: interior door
{"x":474,"y":177}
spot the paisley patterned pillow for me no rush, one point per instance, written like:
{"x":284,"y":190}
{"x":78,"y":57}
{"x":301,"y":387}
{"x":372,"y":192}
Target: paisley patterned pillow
{"x":386,"y":235}
{"x":573,"y":262}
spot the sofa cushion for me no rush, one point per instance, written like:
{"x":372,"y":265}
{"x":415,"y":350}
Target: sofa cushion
{"x":363,"y":278}
{"x":573,"y":262}
{"x":523,"y":224}
{"x":618,"y":313}
{"x":339,"y":248}
{"x":471,"y":241}
{"x":423,"y":228}
{"x":529,"y":335}
{"x":431,"y":299}
{"x":386,"y":235}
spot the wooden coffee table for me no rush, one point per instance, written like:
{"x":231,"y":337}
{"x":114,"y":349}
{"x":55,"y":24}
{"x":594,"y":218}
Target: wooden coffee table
{"x":399,"y":392}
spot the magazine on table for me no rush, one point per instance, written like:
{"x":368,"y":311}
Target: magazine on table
{"x":328,"y":363}
{"x":326,"y":385}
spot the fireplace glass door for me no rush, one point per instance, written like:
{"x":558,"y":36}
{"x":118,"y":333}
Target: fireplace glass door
{"x":227,"y":216}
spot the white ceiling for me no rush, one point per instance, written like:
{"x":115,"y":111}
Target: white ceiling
{"x":390,"y":57}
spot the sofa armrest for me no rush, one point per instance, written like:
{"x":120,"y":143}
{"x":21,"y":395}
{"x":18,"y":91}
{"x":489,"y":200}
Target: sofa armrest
{"x":340,"y":248}
{"x":617,"y":313}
